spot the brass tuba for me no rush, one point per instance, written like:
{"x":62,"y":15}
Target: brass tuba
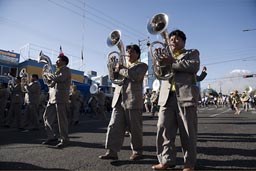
{"x":116,"y":58}
{"x":47,"y":68}
{"x":158,"y":25}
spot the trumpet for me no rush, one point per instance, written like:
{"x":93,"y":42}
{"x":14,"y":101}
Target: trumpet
{"x":47,"y":68}
{"x":158,"y":25}
{"x":115,"y":58}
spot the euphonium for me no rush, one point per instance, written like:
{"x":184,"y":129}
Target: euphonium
{"x":24,"y":76}
{"x":158,"y":25}
{"x":115,"y":58}
{"x":94,"y":89}
{"x":11,"y":82}
{"x":47,"y":68}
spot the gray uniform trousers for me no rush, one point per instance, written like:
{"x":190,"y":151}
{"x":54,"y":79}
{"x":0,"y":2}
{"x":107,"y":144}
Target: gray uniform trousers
{"x":32,"y":120}
{"x":121,"y":120}
{"x":54,"y":112}
{"x":171,"y":118}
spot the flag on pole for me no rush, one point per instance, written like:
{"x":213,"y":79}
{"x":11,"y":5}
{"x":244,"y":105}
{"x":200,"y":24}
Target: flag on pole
{"x":61,"y":53}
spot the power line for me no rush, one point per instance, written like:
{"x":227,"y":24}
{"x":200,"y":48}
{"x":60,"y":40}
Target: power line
{"x":231,"y":60}
{"x":125,"y":26}
{"x":117,"y":21}
{"x":249,"y":30}
{"x":92,"y":19}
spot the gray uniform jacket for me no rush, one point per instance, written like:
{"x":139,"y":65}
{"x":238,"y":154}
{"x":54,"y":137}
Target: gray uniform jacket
{"x":131,"y":90}
{"x":185,"y":67}
{"x":33,"y":91}
{"x":59,"y":91}
{"x":16,"y":94}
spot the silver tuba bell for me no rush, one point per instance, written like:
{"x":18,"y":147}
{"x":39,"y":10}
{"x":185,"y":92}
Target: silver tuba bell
{"x":94,"y":89}
{"x":116,"y":58}
{"x":47,"y":68}
{"x":24,"y":76}
{"x":158,"y":25}
{"x":11,"y":82}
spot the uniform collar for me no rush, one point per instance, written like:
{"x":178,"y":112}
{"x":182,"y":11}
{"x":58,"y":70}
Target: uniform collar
{"x":132,"y":64}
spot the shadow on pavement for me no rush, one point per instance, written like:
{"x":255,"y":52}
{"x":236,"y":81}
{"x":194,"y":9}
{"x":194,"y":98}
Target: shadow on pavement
{"x":22,"y":166}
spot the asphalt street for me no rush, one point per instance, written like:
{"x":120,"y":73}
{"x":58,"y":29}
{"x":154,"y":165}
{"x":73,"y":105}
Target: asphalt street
{"x":225,"y":142}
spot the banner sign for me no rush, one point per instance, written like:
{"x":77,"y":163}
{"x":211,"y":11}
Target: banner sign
{"x":7,"y":57}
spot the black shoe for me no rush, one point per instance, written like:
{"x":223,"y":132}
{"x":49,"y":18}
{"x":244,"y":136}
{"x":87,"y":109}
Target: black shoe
{"x":62,"y":144}
{"x":136,"y":157}
{"x":162,"y":167}
{"x":50,"y":141}
{"x":108,"y":157}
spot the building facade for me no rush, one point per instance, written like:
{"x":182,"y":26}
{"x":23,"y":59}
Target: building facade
{"x":9,"y":62}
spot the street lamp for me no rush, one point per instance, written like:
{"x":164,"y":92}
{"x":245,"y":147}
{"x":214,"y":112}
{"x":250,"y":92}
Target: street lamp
{"x":140,"y":41}
{"x":249,"y":29}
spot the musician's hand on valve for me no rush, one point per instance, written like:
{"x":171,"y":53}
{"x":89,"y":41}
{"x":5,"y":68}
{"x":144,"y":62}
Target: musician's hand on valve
{"x":157,"y":53}
{"x":112,"y":59}
{"x":50,"y":76}
{"x":117,"y":67}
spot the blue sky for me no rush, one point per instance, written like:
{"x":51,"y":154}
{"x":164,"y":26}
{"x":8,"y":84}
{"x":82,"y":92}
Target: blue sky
{"x":214,"y":27}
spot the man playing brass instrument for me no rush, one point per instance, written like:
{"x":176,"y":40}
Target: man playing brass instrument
{"x":178,"y":106}
{"x":32,"y":95}
{"x":127,"y":107}
{"x":58,"y":104}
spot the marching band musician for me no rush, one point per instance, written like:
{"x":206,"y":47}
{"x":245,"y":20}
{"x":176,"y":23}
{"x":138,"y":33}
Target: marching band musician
{"x":58,"y":104}
{"x":4,"y":95}
{"x":178,"y":105}
{"x":75,"y":105}
{"x":32,"y":96}
{"x":101,"y":104}
{"x":236,"y":101}
{"x":17,"y":98}
{"x":154,"y":101}
{"x":245,"y":101}
{"x":127,"y":107}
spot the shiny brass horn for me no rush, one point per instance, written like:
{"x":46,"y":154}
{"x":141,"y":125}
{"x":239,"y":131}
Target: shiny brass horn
{"x":116,"y":58}
{"x":158,"y":25}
